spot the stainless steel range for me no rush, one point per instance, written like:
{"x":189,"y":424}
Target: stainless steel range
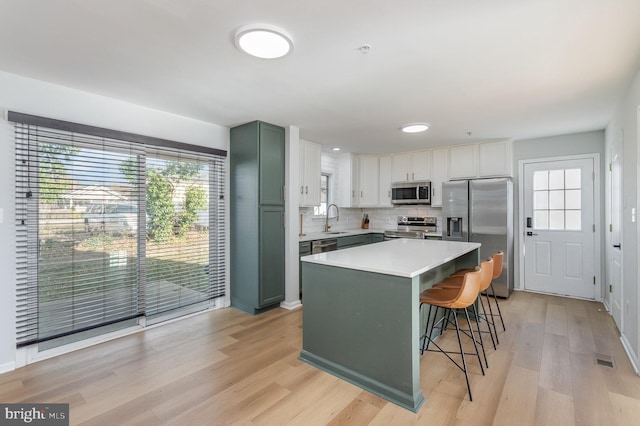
{"x":412,"y":227}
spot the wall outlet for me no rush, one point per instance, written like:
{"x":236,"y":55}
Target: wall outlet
{"x":388,"y":221}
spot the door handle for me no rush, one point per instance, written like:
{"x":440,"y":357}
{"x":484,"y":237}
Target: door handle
{"x":530,"y":234}
{"x":616,"y":245}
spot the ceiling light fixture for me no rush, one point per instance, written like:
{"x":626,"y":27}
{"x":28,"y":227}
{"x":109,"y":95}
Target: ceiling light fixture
{"x":336,"y":149}
{"x":263,"y":41}
{"x":415,"y":127}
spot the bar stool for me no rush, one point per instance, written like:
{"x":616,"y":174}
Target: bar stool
{"x":455,"y":281}
{"x":498,"y":259}
{"x":453,"y":300}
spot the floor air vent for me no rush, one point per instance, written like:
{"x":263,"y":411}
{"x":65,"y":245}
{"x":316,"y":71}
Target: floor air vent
{"x":605,"y":360}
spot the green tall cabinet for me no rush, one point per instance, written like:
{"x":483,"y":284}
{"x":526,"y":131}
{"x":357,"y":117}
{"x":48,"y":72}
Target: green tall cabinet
{"x":256,"y":156}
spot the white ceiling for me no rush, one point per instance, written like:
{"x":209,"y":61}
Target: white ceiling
{"x":495,"y":68}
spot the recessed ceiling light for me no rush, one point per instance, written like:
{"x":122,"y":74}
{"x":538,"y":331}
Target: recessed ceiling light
{"x":336,"y":149}
{"x":264,"y":41}
{"x":415,"y":127}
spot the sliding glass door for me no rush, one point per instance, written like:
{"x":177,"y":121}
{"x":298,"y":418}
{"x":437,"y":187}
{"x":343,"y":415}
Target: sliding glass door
{"x":112,"y":234}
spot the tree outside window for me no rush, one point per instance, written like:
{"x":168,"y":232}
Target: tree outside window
{"x":321,"y":210}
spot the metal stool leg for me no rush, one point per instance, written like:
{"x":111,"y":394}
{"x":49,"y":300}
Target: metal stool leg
{"x":486,"y":319}
{"x":484,"y":354}
{"x":464,"y":361}
{"x":473,"y":339}
{"x":493,"y":293}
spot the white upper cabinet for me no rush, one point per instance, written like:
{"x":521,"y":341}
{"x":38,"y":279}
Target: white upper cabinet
{"x":495,"y":158}
{"x":369,"y":184}
{"x":463,"y":162}
{"x":400,"y":167}
{"x":421,"y":164}
{"x":439,"y":174}
{"x":348,"y":193}
{"x":384,"y":181}
{"x":411,"y":166}
{"x":310,"y":160}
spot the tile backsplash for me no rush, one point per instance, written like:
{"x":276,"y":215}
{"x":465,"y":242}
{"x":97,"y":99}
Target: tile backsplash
{"x":351,"y":218}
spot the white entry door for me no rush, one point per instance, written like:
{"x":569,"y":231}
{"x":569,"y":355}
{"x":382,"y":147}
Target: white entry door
{"x":559,"y":227}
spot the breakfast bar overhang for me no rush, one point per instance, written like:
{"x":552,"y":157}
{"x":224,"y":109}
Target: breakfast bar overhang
{"x":361,"y":318}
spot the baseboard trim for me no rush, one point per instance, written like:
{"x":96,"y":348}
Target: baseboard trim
{"x":6,"y":367}
{"x":403,"y":399}
{"x":291,"y":305}
{"x":632,"y":357}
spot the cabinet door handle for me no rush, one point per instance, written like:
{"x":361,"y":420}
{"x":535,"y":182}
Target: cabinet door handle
{"x":407,"y":175}
{"x":389,"y":194}
{"x":433,"y":192}
{"x":353,"y":194}
{"x":302,"y":189}
{"x":306,"y":189}
{"x":413,"y":176}
{"x":361,"y":194}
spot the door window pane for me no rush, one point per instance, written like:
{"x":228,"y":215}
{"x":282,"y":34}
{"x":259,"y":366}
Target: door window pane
{"x":556,"y":179}
{"x":541,"y":200}
{"x":556,"y":219}
{"x":572,"y":179}
{"x":573,"y":219}
{"x":541,"y":219}
{"x":541,"y":180}
{"x":572,"y":199}
{"x":177,"y":249}
{"x":557,"y":199}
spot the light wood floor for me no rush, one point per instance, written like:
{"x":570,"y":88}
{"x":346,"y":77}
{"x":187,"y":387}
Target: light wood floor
{"x":227,"y":367}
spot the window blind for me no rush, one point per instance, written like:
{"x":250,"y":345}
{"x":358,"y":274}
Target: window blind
{"x":112,"y":229}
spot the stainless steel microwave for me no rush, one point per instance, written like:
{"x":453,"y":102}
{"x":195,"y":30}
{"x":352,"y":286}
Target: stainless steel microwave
{"x":411,"y":193}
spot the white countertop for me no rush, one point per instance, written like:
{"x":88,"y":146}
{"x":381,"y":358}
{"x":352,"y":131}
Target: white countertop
{"x":402,"y":257}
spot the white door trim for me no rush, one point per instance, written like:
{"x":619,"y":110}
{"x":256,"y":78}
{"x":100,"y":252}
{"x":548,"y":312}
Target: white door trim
{"x":597,"y":215}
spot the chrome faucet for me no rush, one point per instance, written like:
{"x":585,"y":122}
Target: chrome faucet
{"x":326,"y":221}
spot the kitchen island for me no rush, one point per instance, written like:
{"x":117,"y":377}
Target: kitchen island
{"x":361,"y":319}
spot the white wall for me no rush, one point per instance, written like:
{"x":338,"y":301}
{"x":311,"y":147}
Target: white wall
{"x":291,"y":247}
{"x":625,"y":121}
{"x":39,"y":98}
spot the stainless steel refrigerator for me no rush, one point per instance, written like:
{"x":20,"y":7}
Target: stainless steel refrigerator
{"x":481,"y":210}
